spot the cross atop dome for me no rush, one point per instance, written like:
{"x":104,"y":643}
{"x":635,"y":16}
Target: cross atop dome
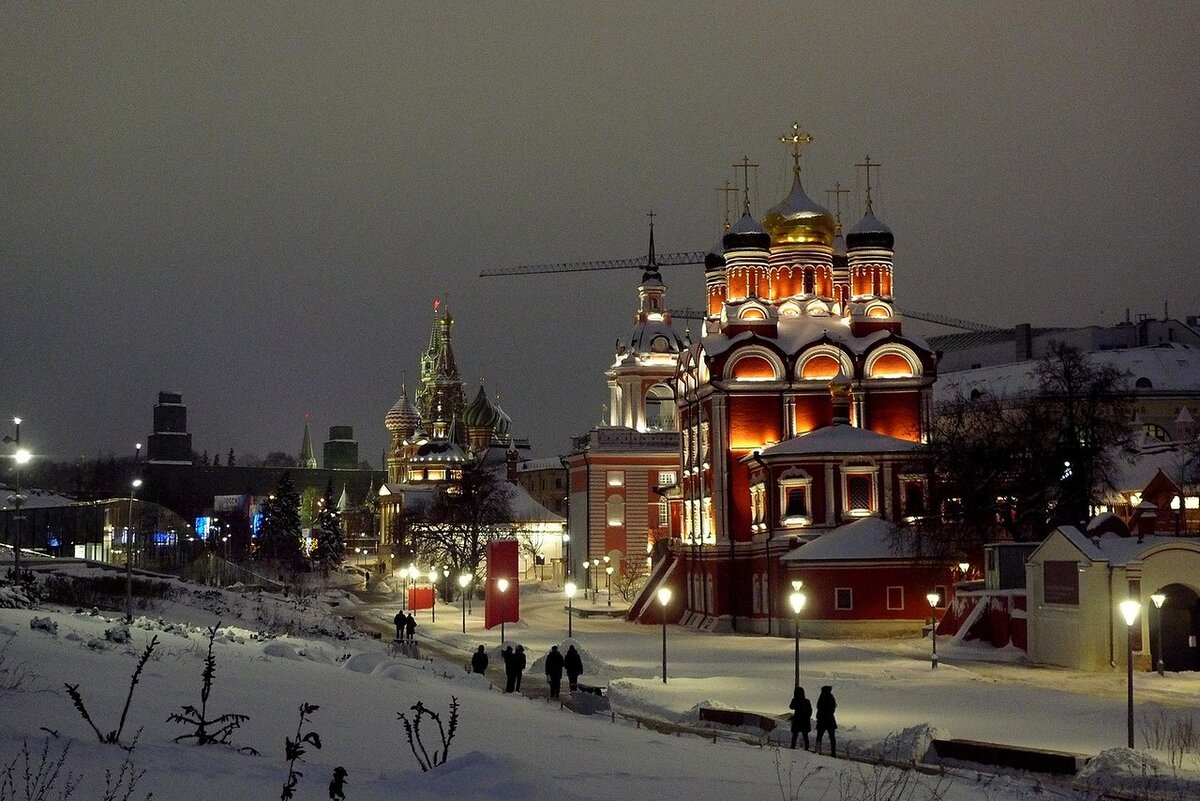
{"x":745,"y":168}
{"x":797,"y":139}
{"x":867,"y":164}
{"x":835,"y":194}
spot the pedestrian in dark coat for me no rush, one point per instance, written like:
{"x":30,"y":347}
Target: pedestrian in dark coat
{"x":521,"y":662}
{"x":801,"y":717}
{"x":479,"y":661}
{"x":399,"y":620}
{"x":337,"y":785}
{"x":410,"y":625}
{"x":826,"y":722}
{"x":510,"y":668}
{"x":573,"y":664}
{"x":554,"y":670}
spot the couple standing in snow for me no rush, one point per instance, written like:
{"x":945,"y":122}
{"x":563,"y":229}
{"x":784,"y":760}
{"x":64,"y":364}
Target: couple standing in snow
{"x":826,"y":721}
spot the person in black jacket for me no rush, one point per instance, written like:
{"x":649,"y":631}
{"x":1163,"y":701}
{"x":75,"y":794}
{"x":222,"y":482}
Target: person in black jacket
{"x":826,"y":722}
{"x":510,"y":668}
{"x":801,"y":717}
{"x":399,"y":620}
{"x":554,"y":670}
{"x":479,"y":661}
{"x":573,"y":664}
{"x":410,"y":625}
{"x":520,"y":663}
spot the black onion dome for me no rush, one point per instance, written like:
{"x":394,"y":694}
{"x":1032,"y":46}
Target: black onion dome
{"x":870,"y":233}
{"x":746,"y":233}
{"x":715,"y":259}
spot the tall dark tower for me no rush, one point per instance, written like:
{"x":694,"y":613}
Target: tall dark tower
{"x":440,"y":395}
{"x":341,"y":449}
{"x":170,"y":443}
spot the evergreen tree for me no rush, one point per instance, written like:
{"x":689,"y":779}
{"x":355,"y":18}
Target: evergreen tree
{"x":280,"y":538}
{"x":230,"y":460}
{"x":330,"y":547}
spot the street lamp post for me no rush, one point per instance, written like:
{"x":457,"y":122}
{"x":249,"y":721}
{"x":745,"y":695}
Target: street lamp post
{"x":608,"y":571}
{"x":664,"y":598}
{"x":797,"y":599}
{"x":933,"y":599}
{"x":1129,"y":610}
{"x":566,"y":554}
{"x":1159,"y":599}
{"x":433,"y":577}
{"x":463,"y":581}
{"x":587,"y":578}
{"x":570,"y":589}
{"x":502,"y":585}
{"x":137,"y":482}
{"x":20,"y":457}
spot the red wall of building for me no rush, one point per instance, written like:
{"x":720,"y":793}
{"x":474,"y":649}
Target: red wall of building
{"x":896,"y":414}
{"x":869,"y":588}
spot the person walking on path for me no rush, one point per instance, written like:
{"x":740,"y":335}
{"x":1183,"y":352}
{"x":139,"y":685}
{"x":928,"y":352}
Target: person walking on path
{"x":410,"y":626}
{"x":826,"y":722}
{"x":554,"y":670}
{"x":520,"y":661}
{"x":573,"y":664}
{"x":399,"y":620}
{"x":479,"y":661}
{"x":801,"y":716}
{"x":510,"y":667}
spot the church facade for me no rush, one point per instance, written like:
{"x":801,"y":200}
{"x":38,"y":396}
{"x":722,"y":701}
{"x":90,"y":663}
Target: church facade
{"x":800,"y":412}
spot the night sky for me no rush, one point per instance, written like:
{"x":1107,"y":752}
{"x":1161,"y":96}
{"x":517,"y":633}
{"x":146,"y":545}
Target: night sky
{"x":256,"y":204}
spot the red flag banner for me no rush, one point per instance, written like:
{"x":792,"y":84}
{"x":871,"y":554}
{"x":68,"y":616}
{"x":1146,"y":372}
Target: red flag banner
{"x":502,"y":564}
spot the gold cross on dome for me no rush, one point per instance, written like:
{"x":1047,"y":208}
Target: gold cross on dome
{"x":798,"y":138}
{"x":867,"y":164}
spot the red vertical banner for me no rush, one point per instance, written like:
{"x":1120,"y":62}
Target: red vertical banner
{"x":420,"y":598}
{"x":501,"y":564}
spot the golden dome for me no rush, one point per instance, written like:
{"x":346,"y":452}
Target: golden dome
{"x":799,"y":220}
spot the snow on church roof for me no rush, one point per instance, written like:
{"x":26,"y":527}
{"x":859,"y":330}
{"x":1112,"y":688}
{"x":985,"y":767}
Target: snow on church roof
{"x":869,"y":538}
{"x":796,"y":333}
{"x":840,"y":439}
{"x":1115,"y":549}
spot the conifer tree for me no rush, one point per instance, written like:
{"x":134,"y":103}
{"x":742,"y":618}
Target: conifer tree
{"x":281,"y":523}
{"x":330,"y":546}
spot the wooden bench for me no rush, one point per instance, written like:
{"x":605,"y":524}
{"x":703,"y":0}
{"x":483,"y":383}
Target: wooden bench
{"x":1036,"y":760}
{"x":736,"y":718}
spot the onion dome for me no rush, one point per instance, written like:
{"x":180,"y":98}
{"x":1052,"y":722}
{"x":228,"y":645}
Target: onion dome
{"x":714,"y":260}
{"x":403,"y":416}
{"x":799,"y":220}
{"x":503,"y":422}
{"x":870,"y":233}
{"x":480,"y":413}
{"x":746,"y":233}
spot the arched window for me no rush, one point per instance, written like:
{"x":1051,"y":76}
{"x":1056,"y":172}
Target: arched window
{"x":1143,"y":383}
{"x":892,"y":364}
{"x":660,"y":409}
{"x":808,"y":280}
{"x":615,"y":508}
{"x":821,"y":367}
{"x":753,"y":368}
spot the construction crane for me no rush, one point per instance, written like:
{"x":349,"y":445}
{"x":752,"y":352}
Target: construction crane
{"x":639,"y":263}
{"x":683,"y":258}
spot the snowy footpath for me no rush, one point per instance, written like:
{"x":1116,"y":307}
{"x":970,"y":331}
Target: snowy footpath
{"x":274,"y":655}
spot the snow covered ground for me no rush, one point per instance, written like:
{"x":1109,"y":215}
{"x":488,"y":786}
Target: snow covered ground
{"x":512,"y":747}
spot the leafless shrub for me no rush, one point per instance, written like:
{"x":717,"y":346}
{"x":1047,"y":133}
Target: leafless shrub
{"x":40,"y":776}
{"x":790,"y":784}
{"x":1176,"y":735}
{"x":412,"y":728}
{"x":114,"y":736}
{"x":218,"y":729}
{"x":859,"y":782}
{"x":294,"y":750}
{"x":15,"y":674}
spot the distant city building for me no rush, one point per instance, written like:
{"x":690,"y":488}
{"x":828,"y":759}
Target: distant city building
{"x":308,"y":459}
{"x":170,"y":442}
{"x":341,"y":449}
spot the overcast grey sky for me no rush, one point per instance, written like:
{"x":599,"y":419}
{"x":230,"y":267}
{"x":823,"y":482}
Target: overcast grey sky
{"x":256,"y":204}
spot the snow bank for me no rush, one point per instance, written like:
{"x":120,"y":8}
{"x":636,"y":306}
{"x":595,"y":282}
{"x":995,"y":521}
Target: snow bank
{"x":1136,"y":772}
{"x":910,"y":745}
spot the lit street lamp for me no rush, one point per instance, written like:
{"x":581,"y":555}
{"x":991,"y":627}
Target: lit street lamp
{"x":664,"y":598}
{"x":570,"y":589}
{"x":1159,"y":599}
{"x":463,"y":581}
{"x":433,"y":577}
{"x":587,"y":578}
{"x":933,"y":599}
{"x":797,"y":599}
{"x":21,"y":456}
{"x":137,"y":482}
{"x":1129,"y":610}
{"x":502,"y":585}
{"x":608,"y":571}
{"x":963,"y":567}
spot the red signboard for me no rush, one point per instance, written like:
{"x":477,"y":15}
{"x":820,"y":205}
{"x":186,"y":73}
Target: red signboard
{"x":501,"y":564}
{"x":420,"y":598}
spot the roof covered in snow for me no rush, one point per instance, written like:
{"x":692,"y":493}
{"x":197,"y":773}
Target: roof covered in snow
{"x":869,"y":538}
{"x":840,"y":439}
{"x":797,"y":333}
{"x":1118,"y":550}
